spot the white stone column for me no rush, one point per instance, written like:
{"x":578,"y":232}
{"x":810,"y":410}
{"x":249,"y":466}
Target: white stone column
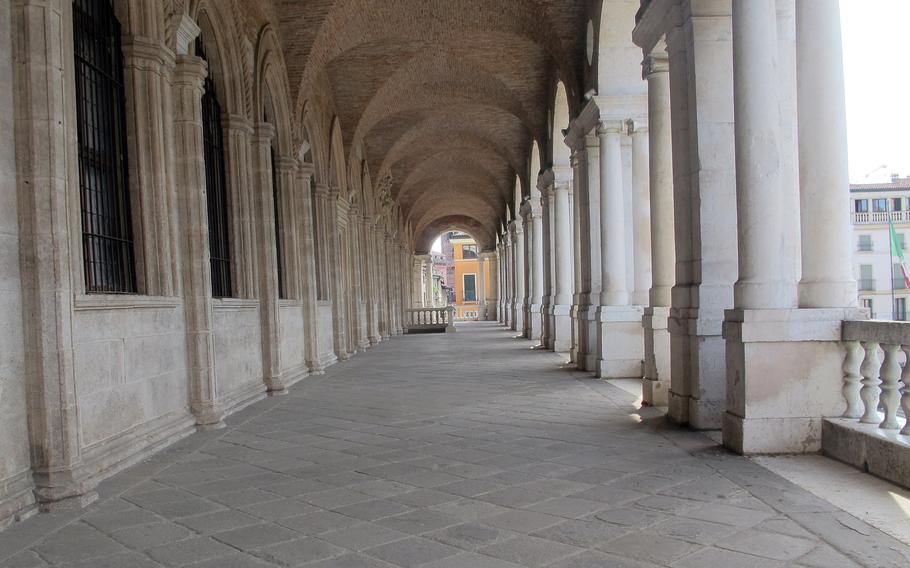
{"x":827,"y":275}
{"x":429,"y":299}
{"x":481,"y":286}
{"x":537,"y":266}
{"x":417,"y":282}
{"x":593,"y":273}
{"x":612,"y":219}
{"x":493,"y":300}
{"x":641,"y":213}
{"x":762,"y":283}
{"x":562,"y":240}
{"x":620,"y":345}
{"x":518,"y":263}
{"x":765,"y":325}
{"x":656,"y":382}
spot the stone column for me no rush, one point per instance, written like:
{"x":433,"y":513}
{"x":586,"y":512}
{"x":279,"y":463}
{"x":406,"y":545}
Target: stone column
{"x":537,"y":269}
{"x":765,"y":329}
{"x":429,"y":300}
{"x":417,"y":282}
{"x":758,"y":184}
{"x":145,"y":64}
{"x":580,"y":249}
{"x":528,"y":246}
{"x":518,"y":255}
{"x":641,"y":213}
{"x":237,"y":163}
{"x":493,"y":299}
{"x":656,"y":382}
{"x":266,"y":257}
{"x":197,"y":282}
{"x":620,"y":342}
{"x":307,"y":269}
{"x":481,"y":287}
{"x":45,"y":130}
{"x":562,"y":240}
{"x":827,"y":272}
{"x":544,"y":183}
{"x":509,"y":283}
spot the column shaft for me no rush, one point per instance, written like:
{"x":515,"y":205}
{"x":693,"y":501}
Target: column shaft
{"x":762,"y":275}
{"x":641,"y":214}
{"x":612,"y":218}
{"x":827,"y":275}
{"x":660,"y":173}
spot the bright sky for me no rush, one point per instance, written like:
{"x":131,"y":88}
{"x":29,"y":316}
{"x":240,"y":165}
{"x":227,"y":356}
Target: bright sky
{"x":875,"y":37}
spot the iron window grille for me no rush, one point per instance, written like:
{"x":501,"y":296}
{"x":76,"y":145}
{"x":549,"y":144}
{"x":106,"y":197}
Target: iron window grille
{"x":215,"y":187}
{"x":109,"y":262}
{"x":282,"y":292}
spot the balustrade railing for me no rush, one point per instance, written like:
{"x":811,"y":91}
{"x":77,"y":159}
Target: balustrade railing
{"x":876,"y":373}
{"x":430,"y":319}
{"x":880,"y":217}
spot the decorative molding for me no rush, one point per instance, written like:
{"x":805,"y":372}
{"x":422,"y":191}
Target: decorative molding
{"x":103,"y":302}
{"x":186,"y":33}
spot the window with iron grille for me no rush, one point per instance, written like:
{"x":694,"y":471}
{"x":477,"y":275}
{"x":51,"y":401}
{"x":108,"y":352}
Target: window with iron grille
{"x":107,"y":236}
{"x":215,"y":187}
{"x":276,"y":204}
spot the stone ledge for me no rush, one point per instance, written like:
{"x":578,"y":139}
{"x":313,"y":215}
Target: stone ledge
{"x":883,"y":453}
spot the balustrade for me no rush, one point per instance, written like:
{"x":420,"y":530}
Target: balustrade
{"x":430,"y":319}
{"x":880,"y":217}
{"x":876,"y":373}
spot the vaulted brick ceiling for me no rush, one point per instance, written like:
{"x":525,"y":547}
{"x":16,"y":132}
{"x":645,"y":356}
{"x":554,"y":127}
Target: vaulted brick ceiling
{"x":446,"y":96}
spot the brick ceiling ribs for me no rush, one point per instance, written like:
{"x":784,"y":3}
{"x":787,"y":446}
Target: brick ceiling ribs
{"x":444,"y":96}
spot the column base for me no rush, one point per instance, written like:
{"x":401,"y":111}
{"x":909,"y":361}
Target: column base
{"x":656,"y":384}
{"x":517,"y":322}
{"x":620,"y":342}
{"x":577,"y":352}
{"x":535,"y":322}
{"x":592,"y":327}
{"x":698,"y":373}
{"x":561,"y":340}
{"x":784,"y":371}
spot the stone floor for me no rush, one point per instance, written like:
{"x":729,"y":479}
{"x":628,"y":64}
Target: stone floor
{"x":444,"y":451}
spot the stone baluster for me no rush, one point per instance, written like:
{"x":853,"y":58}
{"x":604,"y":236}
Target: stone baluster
{"x":852,"y":363}
{"x":890,"y":387}
{"x":905,"y":393}
{"x":870,"y":390}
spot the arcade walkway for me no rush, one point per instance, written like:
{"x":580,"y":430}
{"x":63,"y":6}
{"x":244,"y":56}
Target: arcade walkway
{"x":446,"y":451}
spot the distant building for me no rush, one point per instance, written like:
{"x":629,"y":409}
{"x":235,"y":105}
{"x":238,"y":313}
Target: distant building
{"x":467,"y":281}
{"x":877,"y":271}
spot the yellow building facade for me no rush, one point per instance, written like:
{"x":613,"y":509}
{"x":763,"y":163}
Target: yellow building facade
{"x":468,"y":297}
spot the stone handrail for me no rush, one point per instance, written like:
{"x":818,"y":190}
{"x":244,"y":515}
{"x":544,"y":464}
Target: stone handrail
{"x":430,"y":319}
{"x":880,"y":217}
{"x":876,"y":373}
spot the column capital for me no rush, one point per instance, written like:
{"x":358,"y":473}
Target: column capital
{"x":287,"y":164}
{"x":654,"y":64}
{"x":236,"y":122}
{"x":263,"y":133}
{"x":142,"y":53}
{"x":322,"y":189}
{"x":637,"y":125}
{"x":190,"y":71}
{"x":306,"y":168}
{"x":606,"y":127}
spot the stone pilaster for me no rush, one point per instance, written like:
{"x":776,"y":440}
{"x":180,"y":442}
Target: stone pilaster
{"x":700,"y":55}
{"x":307,"y":272}
{"x":267,"y":259}
{"x":44,"y":129}
{"x":535,"y":309}
{"x":481,"y":286}
{"x":518,"y":274}
{"x":238,"y":158}
{"x":197,"y":282}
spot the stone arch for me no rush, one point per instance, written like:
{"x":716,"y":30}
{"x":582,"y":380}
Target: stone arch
{"x":271,"y":92}
{"x":337,"y":162}
{"x":617,"y":59}
{"x":219,"y":35}
{"x":426,"y":235}
{"x":535,"y":169}
{"x":559,"y":150}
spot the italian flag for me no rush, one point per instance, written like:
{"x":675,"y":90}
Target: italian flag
{"x":897,"y":251}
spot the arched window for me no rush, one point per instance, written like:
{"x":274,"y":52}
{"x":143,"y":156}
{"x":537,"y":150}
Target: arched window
{"x":276,"y":204}
{"x":215,"y":187}
{"x":107,"y":234}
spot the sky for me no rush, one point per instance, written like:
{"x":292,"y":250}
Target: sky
{"x":875,"y":35}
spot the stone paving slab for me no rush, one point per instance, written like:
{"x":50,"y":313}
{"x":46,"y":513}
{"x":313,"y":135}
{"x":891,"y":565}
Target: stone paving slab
{"x":456,"y":451}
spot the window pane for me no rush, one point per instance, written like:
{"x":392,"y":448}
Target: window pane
{"x":470,"y":288}
{"x":107,"y":235}
{"x":215,"y":187}
{"x":879,"y":205}
{"x":865,"y":243}
{"x":861,"y":206}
